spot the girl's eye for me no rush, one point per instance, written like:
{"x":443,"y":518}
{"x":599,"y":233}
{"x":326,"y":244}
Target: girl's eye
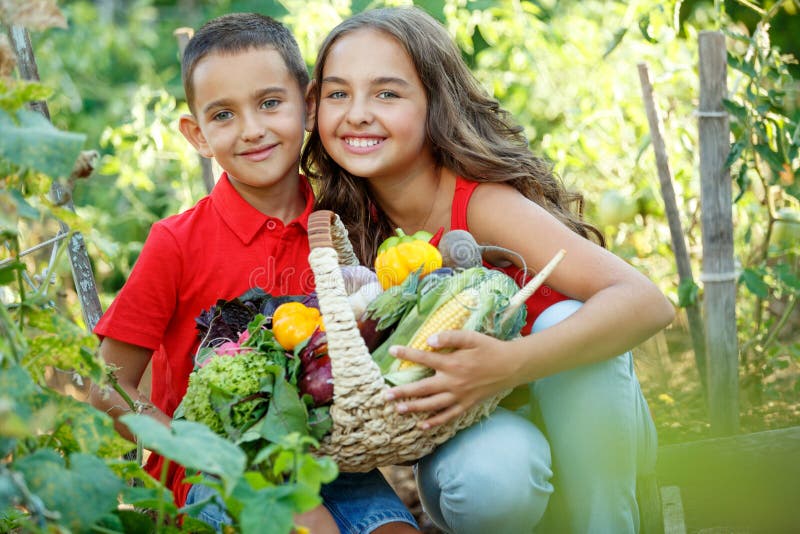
{"x":337,"y":95}
{"x":222,"y":116}
{"x":271,"y":103}
{"x":387,"y":94}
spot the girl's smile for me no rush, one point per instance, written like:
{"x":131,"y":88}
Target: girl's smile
{"x":362,"y":145}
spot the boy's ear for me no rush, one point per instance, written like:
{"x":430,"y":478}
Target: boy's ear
{"x":311,"y":105}
{"x":191,"y":131}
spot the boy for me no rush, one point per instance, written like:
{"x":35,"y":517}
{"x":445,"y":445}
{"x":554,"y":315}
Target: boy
{"x":245,"y":83}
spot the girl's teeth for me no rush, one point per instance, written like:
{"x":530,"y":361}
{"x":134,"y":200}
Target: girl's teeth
{"x":363,"y":143}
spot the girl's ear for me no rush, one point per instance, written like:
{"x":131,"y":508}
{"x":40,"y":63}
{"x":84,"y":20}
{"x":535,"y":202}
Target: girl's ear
{"x":191,"y":131}
{"x":311,"y":105}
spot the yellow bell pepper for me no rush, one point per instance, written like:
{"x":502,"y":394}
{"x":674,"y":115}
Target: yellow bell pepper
{"x":401,"y":255}
{"x":294,"y":322}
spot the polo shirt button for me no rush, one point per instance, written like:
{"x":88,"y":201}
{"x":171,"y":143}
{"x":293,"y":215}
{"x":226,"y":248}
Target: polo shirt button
{"x":271,"y":225}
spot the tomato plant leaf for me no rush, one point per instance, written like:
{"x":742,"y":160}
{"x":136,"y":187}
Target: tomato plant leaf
{"x":34,"y":143}
{"x":86,"y":480}
{"x":687,"y":293}
{"x":754,"y":281}
{"x":190,"y":444}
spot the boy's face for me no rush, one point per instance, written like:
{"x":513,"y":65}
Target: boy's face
{"x":250,"y":115}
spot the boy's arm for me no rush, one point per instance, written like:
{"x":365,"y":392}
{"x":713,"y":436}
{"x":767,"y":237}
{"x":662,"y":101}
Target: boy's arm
{"x":129,"y":362}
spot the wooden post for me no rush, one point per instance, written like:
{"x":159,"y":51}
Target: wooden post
{"x":719,"y":276}
{"x":82,"y":274}
{"x":675,"y":227}
{"x":183,"y":35}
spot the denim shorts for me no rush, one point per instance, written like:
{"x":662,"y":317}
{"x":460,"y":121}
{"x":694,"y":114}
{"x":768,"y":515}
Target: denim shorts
{"x":362,"y":502}
{"x":358,"y":502}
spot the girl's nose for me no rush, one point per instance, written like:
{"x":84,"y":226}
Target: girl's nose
{"x":359,"y":112}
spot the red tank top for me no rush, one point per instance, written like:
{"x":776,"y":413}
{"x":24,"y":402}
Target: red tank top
{"x":544,"y":297}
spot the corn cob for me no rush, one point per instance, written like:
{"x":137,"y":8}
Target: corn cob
{"x":450,"y":316}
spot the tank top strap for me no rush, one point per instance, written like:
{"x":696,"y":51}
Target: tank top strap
{"x":461,"y":196}
{"x":543,"y":297}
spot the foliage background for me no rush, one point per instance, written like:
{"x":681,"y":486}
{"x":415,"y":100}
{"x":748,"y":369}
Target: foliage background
{"x":565,"y":69}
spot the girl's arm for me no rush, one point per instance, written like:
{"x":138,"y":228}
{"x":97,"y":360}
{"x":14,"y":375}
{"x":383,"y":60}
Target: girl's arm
{"x":621,"y":309}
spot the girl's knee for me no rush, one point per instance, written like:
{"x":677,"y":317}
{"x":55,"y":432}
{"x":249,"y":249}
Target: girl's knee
{"x":493,"y":477}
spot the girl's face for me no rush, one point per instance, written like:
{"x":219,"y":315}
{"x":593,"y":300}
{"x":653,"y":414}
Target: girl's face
{"x":372,"y":110}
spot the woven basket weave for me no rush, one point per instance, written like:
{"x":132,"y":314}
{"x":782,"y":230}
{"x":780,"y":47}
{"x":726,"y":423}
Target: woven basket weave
{"x":367,"y":430}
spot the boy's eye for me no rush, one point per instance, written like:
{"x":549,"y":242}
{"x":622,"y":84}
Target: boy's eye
{"x":387,"y":94}
{"x":270,"y":103}
{"x":222,"y":116}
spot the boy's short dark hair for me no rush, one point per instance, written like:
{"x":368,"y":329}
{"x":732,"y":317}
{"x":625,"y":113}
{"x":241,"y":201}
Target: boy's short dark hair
{"x":239,"y":32}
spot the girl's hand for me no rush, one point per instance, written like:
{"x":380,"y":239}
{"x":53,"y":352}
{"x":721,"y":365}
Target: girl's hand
{"x":478,"y":367}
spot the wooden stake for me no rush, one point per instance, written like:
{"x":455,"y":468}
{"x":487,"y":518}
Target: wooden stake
{"x":719,"y":275}
{"x":673,"y":218}
{"x":85,"y":285}
{"x":183,"y":35}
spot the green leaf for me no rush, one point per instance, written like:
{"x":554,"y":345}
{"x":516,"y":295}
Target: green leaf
{"x":8,"y":272}
{"x":24,"y":210}
{"x":735,"y":152}
{"x":479,"y":42}
{"x":319,"y":421}
{"x":435,"y":8}
{"x":615,"y":41}
{"x":272,"y":8}
{"x":286,"y":413}
{"x":357,"y":6}
{"x":36,"y":144}
{"x":772,"y":158}
{"x":687,"y":293}
{"x":272,"y":502}
{"x":190,"y":444}
{"x":754,"y":281}
{"x":742,"y":66}
{"x":735,"y":109}
{"x":644,"y":27}
{"x":134,"y":521}
{"x":82,"y":493}
{"x":81,"y":427}
{"x":787,"y":277}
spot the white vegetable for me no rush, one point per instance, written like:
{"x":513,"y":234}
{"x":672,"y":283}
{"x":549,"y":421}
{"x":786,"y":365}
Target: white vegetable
{"x":356,"y":276}
{"x":363,"y":296}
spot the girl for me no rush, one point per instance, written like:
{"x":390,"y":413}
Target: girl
{"x":404,"y":136}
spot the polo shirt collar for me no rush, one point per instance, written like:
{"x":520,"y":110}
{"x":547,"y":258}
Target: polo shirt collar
{"x":243,"y":219}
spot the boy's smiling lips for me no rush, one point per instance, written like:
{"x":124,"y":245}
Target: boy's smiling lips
{"x":259,"y":153}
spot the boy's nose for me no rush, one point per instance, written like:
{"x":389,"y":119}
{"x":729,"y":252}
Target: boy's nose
{"x":252,"y":128}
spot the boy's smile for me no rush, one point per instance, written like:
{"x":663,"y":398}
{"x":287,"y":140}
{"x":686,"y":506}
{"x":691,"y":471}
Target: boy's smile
{"x":251,"y":117}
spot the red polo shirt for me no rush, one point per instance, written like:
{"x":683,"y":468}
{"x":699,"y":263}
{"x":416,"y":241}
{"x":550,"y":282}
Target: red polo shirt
{"x":217,"y":249}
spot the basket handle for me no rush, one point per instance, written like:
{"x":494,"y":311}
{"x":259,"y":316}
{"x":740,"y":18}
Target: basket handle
{"x":530,"y":288}
{"x":325,"y":229}
{"x":357,"y":380}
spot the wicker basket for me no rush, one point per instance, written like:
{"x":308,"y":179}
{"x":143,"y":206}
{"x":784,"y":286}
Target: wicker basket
{"x":367,"y":430}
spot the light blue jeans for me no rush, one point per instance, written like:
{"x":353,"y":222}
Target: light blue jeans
{"x":498,"y":476}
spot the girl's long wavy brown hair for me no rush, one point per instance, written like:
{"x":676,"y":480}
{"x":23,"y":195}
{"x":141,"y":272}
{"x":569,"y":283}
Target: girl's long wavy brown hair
{"x":468,"y":132}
